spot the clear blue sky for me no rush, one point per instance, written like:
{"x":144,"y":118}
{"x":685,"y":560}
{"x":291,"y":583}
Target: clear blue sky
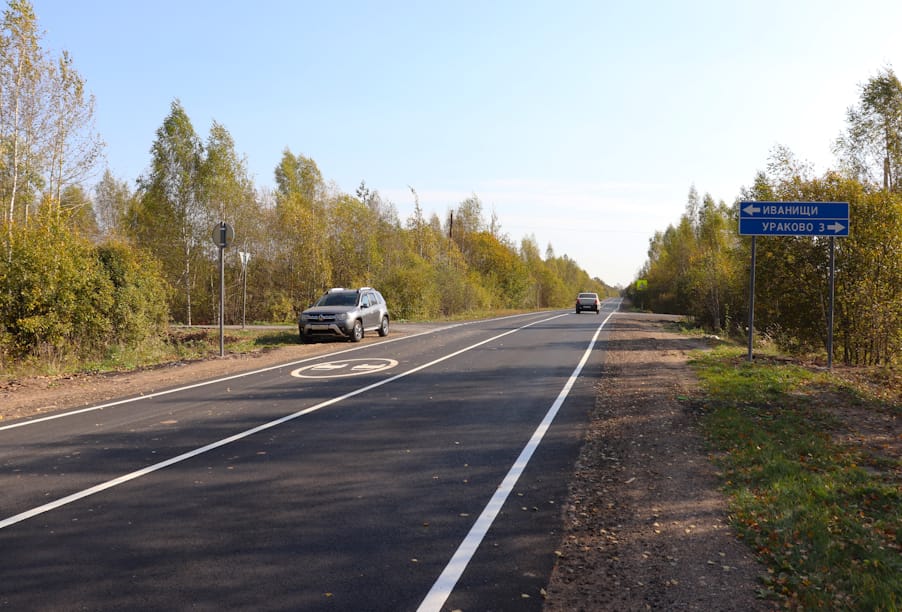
{"x":581,"y":123}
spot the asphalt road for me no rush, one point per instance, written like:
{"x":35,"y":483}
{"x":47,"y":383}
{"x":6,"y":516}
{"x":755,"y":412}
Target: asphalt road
{"x":424,"y":472}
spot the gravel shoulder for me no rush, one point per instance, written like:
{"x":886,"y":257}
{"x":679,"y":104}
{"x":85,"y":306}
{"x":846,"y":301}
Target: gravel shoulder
{"x":645,"y":527}
{"x":645,"y":524}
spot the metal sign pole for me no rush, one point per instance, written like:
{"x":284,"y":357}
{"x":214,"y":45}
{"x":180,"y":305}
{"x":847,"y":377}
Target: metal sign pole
{"x":752,"y":299}
{"x":223,"y":235}
{"x":245,"y":257}
{"x":221,"y":294}
{"x":830,"y":315}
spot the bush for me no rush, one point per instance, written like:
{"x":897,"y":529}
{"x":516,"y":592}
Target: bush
{"x":140,"y":295}
{"x":63,"y":298}
{"x":411,"y":291}
{"x":53,"y":293}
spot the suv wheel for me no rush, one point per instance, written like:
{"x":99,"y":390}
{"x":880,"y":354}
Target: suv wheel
{"x":357,"y":332}
{"x":383,"y":327}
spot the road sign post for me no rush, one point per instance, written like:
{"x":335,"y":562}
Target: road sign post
{"x":829,"y":219}
{"x":223,"y":235}
{"x":752,"y":297}
{"x":245,"y":257}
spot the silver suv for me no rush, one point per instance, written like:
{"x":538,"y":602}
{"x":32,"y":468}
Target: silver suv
{"x":345,"y":313}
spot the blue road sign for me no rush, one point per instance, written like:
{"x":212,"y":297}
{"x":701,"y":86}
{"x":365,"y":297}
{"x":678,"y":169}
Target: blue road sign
{"x":793,"y":218}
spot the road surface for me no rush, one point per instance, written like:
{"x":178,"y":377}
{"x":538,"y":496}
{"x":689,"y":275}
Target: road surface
{"x":423,"y":472}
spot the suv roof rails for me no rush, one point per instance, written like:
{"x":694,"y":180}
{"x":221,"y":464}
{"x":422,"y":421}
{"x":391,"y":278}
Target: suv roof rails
{"x":336,"y":289}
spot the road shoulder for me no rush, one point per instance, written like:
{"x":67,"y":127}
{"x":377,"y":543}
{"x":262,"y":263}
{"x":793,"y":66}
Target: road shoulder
{"x":645,"y":524}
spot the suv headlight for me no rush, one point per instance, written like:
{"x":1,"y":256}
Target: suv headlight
{"x":341,"y":316}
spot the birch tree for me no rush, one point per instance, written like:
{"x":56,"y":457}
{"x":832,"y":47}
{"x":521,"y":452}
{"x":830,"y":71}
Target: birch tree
{"x":872,"y":144}
{"x":171,"y":219}
{"x":229,"y":195}
{"x":74,"y":147}
{"x":22,"y":65}
{"x":47,"y":137}
{"x":112,"y":201}
{"x":302,"y":223}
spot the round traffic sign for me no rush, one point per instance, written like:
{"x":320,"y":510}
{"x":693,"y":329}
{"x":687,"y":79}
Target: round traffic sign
{"x":223,"y":234}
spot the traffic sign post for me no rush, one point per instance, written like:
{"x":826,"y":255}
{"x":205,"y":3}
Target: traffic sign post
{"x":245,"y":257}
{"x":223,"y":236}
{"x":830,"y":219}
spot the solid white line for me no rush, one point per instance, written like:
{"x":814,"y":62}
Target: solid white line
{"x":443,"y":586}
{"x":18,"y":518}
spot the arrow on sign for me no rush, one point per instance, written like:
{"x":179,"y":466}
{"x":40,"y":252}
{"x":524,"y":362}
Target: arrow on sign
{"x":751,"y":209}
{"x":836,"y":227}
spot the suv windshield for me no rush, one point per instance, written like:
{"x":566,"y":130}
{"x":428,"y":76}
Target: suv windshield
{"x":343,"y":298}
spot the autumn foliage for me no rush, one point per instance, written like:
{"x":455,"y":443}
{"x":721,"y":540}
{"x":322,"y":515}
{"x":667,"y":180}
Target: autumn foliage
{"x":701,"y":266}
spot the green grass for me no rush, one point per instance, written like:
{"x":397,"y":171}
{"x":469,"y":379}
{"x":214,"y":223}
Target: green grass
{"x":825,"y":517}
{"x":187,"y":344}
{"x":685,"y":326}
{"x":180,"y":344}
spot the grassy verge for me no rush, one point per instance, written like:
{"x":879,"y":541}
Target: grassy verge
{"x":179,"y":344}
{"x":823,"y":513}
{"x":188,"y":344}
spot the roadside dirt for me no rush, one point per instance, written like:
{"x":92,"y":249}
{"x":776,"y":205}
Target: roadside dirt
{"x":37,"y":395}
{"x":645,"y":525}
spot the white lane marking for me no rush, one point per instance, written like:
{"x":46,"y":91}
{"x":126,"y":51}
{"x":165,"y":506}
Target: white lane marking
{"x":22,"y":516}
{"x":343,"y":368}
{"x":443,"y":586}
